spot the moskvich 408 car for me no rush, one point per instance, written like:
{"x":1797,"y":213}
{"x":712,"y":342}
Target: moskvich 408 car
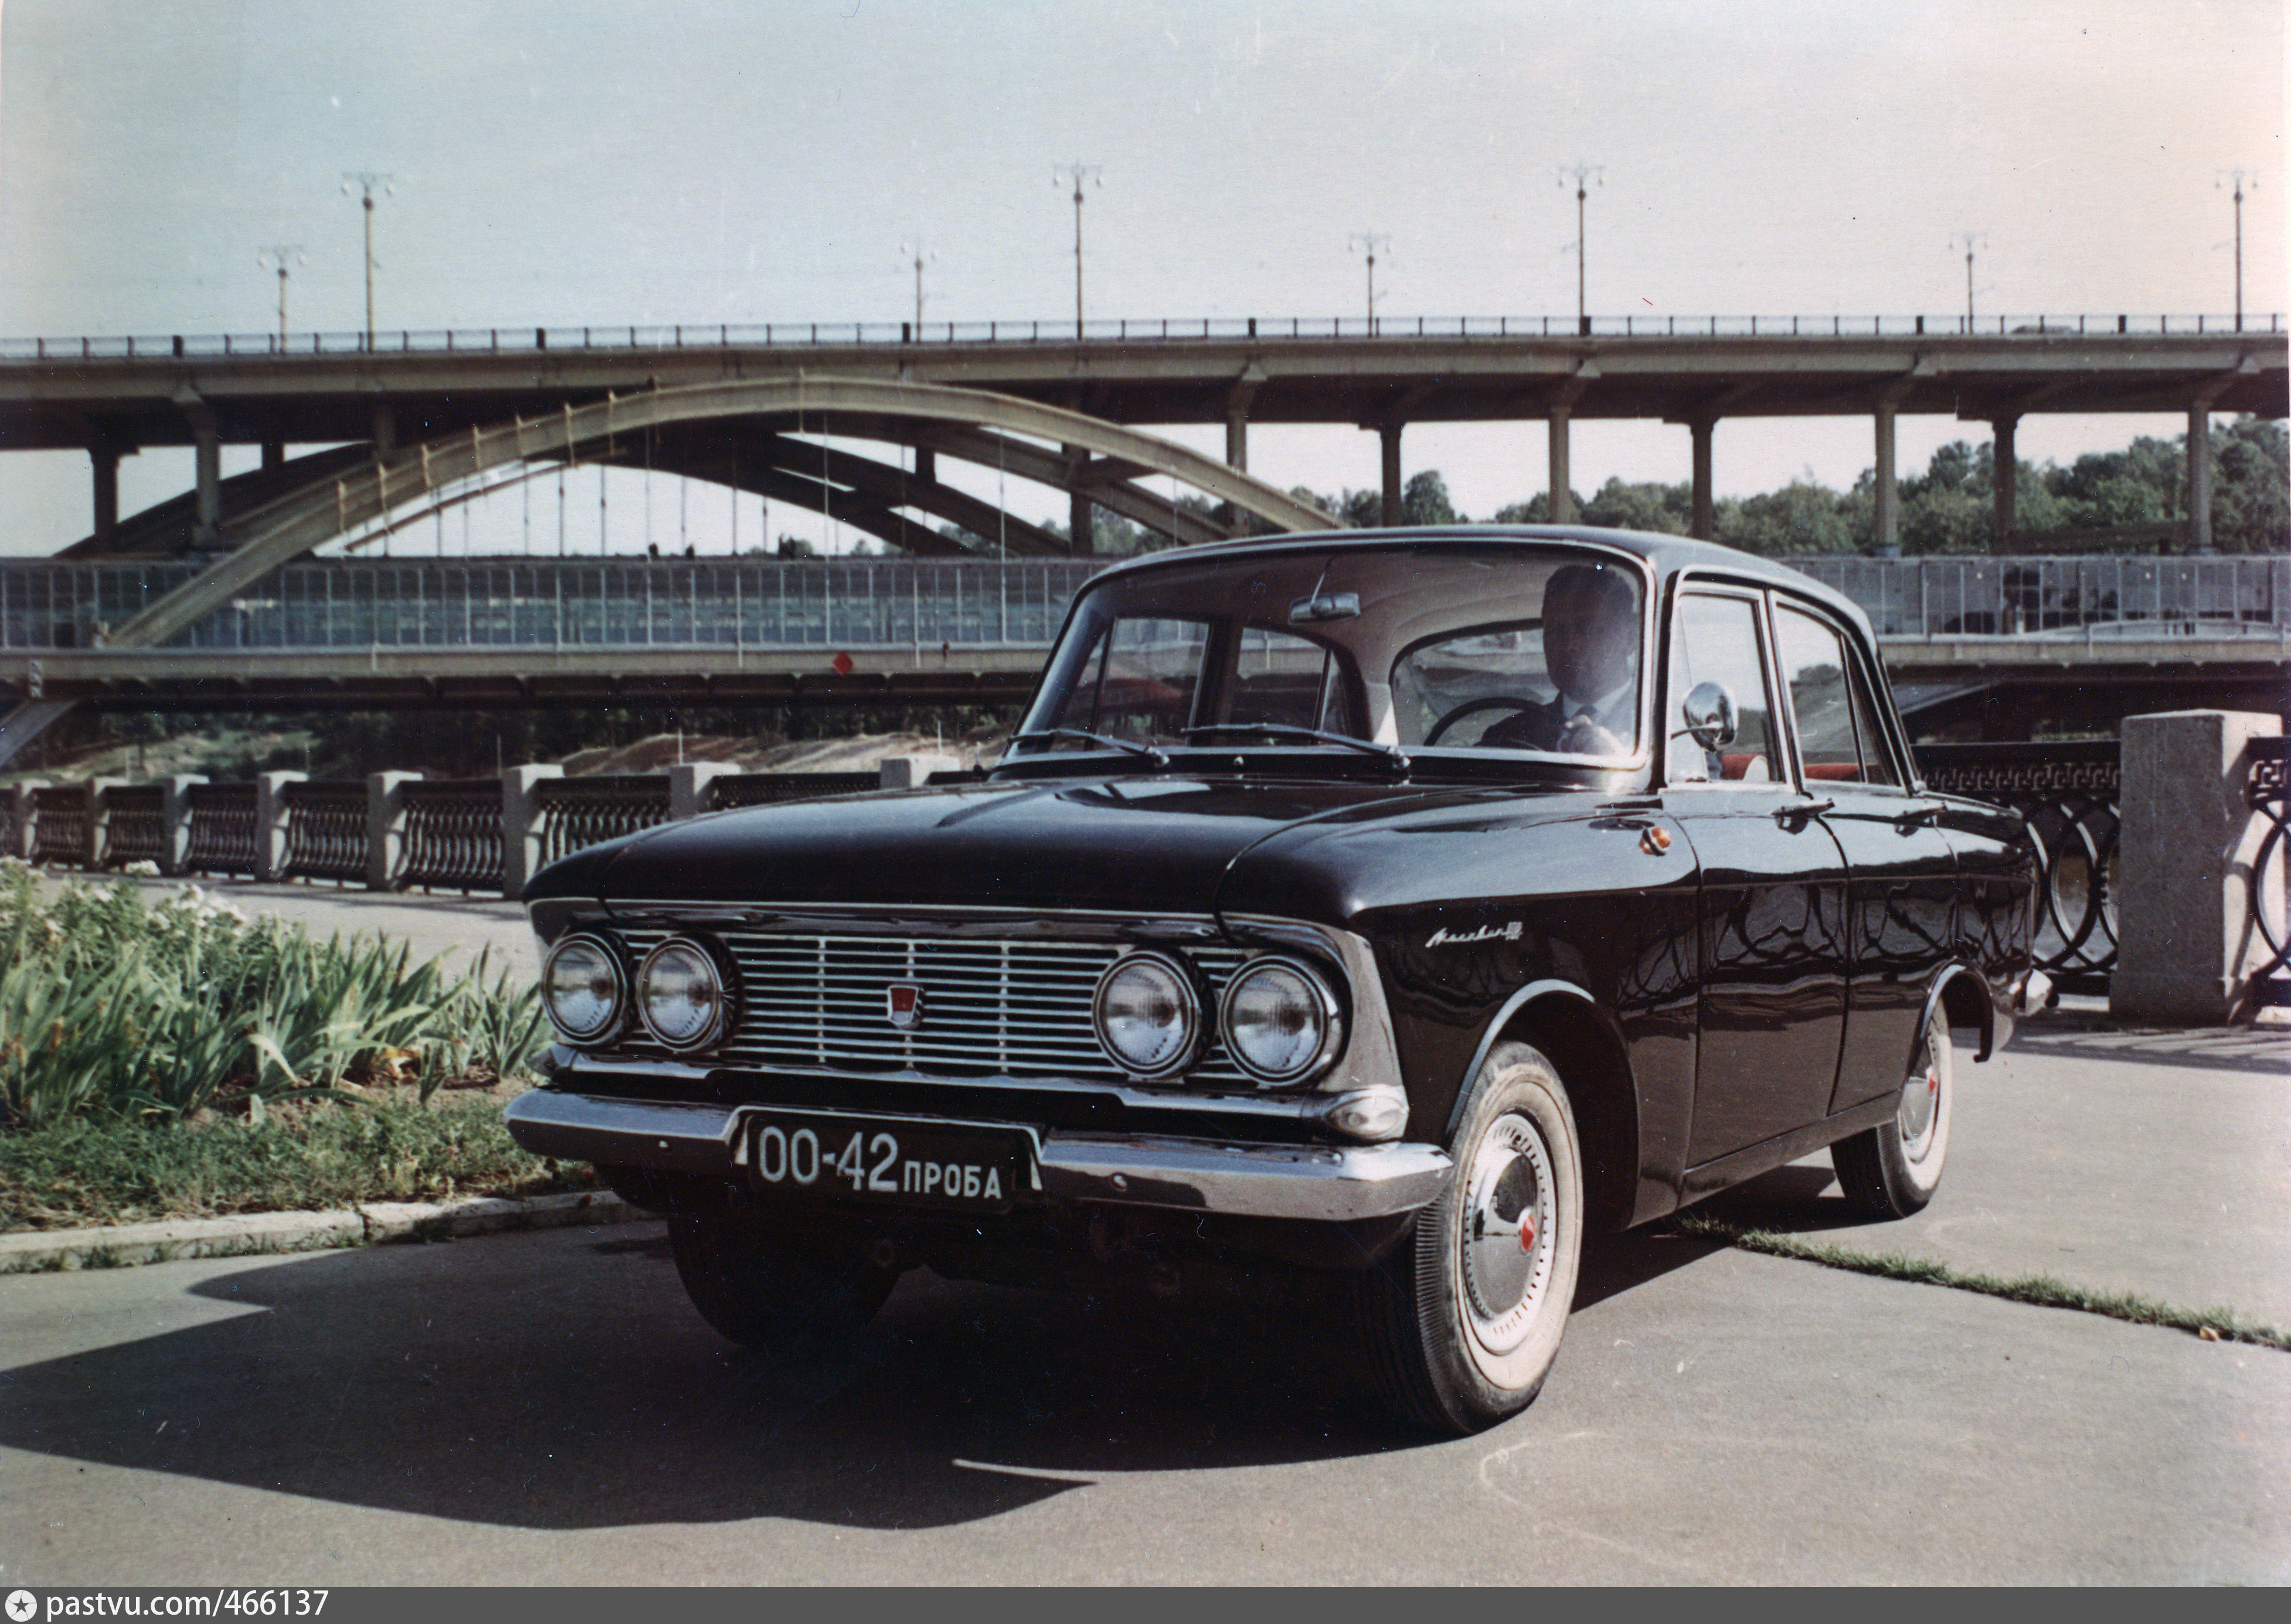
{"x":1389,"y":908}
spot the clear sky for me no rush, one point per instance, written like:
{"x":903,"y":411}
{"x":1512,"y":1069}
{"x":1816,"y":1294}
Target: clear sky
{"x":572,"y":161}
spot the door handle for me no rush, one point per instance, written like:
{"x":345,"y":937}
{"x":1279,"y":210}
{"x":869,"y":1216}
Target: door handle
{"x":1804,"y":810}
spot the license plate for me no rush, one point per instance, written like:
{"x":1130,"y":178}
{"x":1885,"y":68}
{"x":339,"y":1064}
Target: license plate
{"x":970,"y":1166}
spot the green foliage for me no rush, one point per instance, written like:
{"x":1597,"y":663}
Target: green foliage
{"x":1648,"y":506}
{"x":110,"y":1171}
{"x":109,"y":1008}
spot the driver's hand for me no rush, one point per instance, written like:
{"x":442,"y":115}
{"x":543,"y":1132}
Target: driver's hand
{"x":1584,"y":737}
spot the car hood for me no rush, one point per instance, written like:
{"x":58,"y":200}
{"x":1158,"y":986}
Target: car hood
{"x":1134,"y":844}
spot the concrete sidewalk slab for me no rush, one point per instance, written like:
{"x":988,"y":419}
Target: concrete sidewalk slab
{"x":549,"y":1404}
{"x":2134,"y":1160}
{"x":115,"y":1245}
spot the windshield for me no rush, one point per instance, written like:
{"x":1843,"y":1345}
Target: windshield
{"x":1449,"y":645}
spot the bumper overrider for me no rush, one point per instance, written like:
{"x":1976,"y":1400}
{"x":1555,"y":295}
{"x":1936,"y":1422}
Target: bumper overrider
{"x":1326,"y":1183}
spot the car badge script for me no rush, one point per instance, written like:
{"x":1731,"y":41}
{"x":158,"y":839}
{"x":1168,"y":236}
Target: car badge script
{"x":903,"y":1006}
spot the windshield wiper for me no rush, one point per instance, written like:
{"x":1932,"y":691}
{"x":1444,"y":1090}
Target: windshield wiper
{"x":1150,"y":752}
{"x":1392,"y":753}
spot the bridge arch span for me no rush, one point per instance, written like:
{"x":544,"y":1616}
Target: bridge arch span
{"x":964,"y":419}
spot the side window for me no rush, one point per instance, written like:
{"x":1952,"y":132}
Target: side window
{"x":1715,"y":639}
{"x":1837,"y":733}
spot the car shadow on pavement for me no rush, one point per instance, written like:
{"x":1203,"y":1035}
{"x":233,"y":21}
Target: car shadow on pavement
{"x":562,"y":1380}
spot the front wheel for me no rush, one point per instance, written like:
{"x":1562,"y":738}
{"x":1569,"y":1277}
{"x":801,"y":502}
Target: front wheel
{"x":1892,"y":1169}
{"x":1463,"y":1323}
{"x":783,"y":1294}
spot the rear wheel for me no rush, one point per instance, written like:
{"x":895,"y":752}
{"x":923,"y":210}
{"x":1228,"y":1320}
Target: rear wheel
{"x":1463,"y":1323}
{"x":783,"y":1294}
{"x":1891,"y":1171}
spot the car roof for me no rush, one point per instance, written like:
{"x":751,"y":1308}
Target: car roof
{"x":1666,"y":555}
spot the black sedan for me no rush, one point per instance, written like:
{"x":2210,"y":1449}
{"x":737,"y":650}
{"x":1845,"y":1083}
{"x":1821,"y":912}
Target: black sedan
{"x":1383,"y":908}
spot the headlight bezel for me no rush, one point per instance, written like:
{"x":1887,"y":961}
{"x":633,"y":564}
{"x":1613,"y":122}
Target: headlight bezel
{"x":1322,"y":992}
{"x":1192,"y":1006}
{"x":617,"y":1008}
{"x":724,"y":1018}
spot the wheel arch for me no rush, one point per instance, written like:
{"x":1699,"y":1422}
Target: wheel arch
{"x":1568,"y":1026}
{"x":1961,"y":995}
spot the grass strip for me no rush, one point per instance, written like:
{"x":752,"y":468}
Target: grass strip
{"x":2043,"y":1291}
{"x":83,"y":1171}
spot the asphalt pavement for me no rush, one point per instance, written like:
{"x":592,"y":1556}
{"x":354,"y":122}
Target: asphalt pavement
{"x":546,"y":1405}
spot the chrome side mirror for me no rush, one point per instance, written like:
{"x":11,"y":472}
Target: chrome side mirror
{"x":1709,"y":713}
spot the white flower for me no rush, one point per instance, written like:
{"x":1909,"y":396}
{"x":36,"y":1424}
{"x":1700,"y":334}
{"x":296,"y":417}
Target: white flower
{"x":144,"y":869}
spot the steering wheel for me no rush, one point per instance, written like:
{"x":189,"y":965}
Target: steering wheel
{"x":1494,"y":701}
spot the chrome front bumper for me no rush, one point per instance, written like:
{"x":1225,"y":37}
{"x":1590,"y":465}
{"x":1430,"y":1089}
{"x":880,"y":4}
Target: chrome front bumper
{"x":1330,"y":1184}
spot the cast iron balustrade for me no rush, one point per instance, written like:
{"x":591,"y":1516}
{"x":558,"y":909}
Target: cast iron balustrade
{"x":585,"y":811}
{"x":767,"y":788}
{"x":60,"y":825}
{"x":135,"y":825}
{"x":2066,"y":793}
{"x":453,"y":834}
{"x":326,"y":829}
{"x":2265,"y":792}
{"x":222,"y":834}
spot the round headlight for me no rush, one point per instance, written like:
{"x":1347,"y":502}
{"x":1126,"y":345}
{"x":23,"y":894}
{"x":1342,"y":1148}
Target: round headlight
{"x":1280,"y":1021}
{"x":681,"y":995}
{"x":581,"y":988}
{"x":1148,"y":1016}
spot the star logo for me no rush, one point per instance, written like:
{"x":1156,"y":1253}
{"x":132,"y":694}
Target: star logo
{"x":21,"y":1605}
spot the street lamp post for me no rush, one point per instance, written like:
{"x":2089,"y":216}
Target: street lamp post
{"x":1078,"y":173}
{"x":280,"y":257}
{"x":1371,"y":241}
{"x":1972,"y":240}
{"x":1580,"y":174}
{"x":2237,"y":177}
{"x":366,"y":181}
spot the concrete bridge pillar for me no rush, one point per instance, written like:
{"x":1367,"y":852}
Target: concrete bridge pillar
{"x":1081,"y":517}
{"x":385,"y":429}
{"x":274,"y":454}
{"x":1703,"y":514}
{"x":1563,"y":489}
{"x":207,"y":463}
{"x":1389,"y":435}
{"x":2004,"y":479}
{"x":104,"y":460}
{"x":2200,"y":478}
{"x":1889,"y":497}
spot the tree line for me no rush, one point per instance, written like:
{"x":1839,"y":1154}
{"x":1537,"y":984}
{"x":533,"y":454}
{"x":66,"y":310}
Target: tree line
{"x":1949,"y":507}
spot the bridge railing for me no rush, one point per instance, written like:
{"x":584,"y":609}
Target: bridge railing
{"x":578,"y":603}
{"x":2086,"y":599}
{"x":924,"y":605}
{"x":391,"y":830}
{"x":1121,"y":330}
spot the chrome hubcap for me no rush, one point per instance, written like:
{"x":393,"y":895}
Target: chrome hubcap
{"x":1507,"y":1223}
{"x":1920,"y":1104}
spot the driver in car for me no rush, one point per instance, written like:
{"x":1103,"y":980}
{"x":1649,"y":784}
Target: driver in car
{"x":1591,"y":649}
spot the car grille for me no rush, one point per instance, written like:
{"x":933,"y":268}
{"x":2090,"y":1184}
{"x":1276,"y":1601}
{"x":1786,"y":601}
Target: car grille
{"x":1019,"y":1009}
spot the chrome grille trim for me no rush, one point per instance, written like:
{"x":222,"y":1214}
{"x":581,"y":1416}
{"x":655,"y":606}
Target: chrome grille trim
{"x":992,"y":1006}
